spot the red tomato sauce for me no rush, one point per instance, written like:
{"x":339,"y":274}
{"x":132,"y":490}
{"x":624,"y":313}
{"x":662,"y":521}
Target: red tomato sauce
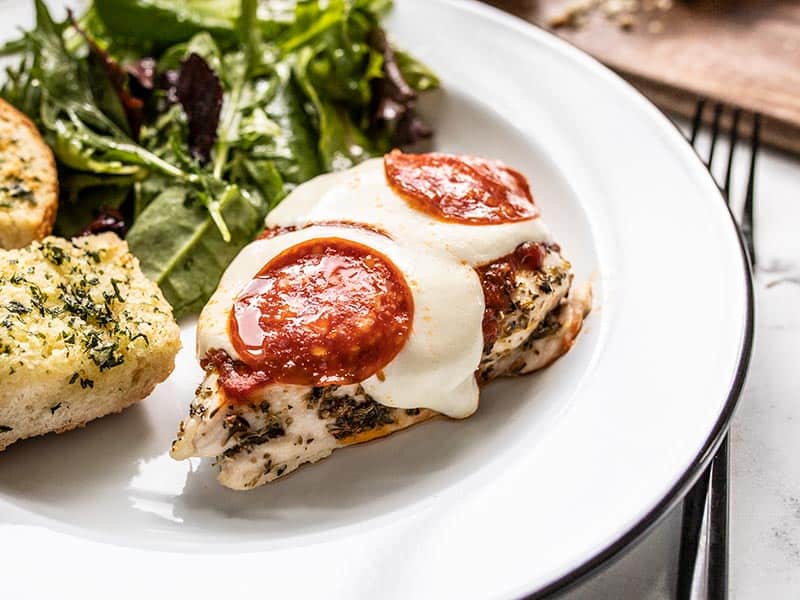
{"x":326,"y":311}
{"x":460,"y":189}
{"x":497,"y":279}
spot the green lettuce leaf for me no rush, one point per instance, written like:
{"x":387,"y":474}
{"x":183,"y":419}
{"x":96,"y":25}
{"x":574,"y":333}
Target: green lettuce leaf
{"x":179,"y":247}
{"x":163,"y":22}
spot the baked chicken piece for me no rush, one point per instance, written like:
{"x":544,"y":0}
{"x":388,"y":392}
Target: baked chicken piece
{"x":511,"y":315}
{"x":283,"y":427}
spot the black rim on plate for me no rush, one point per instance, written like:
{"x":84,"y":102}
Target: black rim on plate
{"x":629,"y":540}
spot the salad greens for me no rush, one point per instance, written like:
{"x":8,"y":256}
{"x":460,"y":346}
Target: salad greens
{"x":191,"y":119}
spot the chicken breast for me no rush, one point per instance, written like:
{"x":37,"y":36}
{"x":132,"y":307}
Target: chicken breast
{"x":282,"y":427}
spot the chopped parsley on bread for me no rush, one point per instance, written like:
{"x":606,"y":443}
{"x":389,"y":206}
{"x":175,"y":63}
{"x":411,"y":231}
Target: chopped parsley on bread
{"x":83,"y":334}
{"x":28,"y":181}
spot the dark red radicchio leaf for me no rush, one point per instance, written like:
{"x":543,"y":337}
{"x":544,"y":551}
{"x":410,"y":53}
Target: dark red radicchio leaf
{"x":118,"y":77}
{"x":199,"y":91}
{"x":395,"y":101}
{"x":109,"y":219}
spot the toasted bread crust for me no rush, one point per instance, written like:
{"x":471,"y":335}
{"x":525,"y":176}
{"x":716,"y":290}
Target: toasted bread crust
{"x":29,"y":162}
{"x":83,"y":334}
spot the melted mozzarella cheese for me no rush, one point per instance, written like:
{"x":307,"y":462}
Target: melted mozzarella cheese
{"x":436,"y":367}
{"x":363,"y":195}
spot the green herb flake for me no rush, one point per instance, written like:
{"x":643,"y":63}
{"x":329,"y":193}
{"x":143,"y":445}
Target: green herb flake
{"x":16,"y":191}
{"x":17,"y":308}
{"x":54,"y":254}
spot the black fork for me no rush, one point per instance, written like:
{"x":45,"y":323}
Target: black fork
{"x":709,"y":496}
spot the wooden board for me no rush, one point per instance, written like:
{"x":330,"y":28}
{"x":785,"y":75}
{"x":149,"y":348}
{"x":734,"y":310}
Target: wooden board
{"x":745,"y":53}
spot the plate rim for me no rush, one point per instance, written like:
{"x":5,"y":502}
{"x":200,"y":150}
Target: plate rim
{"x":626,"y":543}
{"x":630,"y":539}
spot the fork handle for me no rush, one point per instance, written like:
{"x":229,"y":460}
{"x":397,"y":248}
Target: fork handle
{"x":718,"y":524}
{"x":703,"y":558}
{"x":694,"y":510}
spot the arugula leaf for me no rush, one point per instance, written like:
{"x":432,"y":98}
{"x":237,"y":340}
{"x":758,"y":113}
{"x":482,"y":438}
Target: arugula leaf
{"x":202,"y":44}
{"x":105,"y":94}
{"x":418,"y":76}
{"x":341,"y":143}
{"x":291,"y":145}
{"x":63,"y":80}
{"x":355,"y":82}
{"x":109,"y":82}
{"x":312,"y":19}
{"x":55,"y":90}
{"x":264,"y":137}
{"x":344,"y":64}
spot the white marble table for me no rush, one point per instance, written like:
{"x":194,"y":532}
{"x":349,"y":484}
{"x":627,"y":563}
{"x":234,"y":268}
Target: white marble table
{"x":765,"y":450}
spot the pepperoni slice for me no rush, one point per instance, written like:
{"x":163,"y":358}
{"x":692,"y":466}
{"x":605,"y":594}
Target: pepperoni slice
{"x":461,"y":189}
{"x":327,"y":311}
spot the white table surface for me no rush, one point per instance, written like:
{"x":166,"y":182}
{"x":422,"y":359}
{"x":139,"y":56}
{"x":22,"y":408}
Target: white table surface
{"x":765,"y":433}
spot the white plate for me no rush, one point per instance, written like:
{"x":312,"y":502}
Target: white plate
{"x":554,"y":474}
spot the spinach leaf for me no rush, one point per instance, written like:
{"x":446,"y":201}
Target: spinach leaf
{"x":282,"y":131}
{"x":167,"y":21}
{"x":179,"y":247}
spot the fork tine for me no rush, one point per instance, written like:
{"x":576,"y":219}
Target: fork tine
{"x":748,"y":230}
{"x":712,"y":484}
{"x":737,"y":113}
{"x":714,"y":133}
{"x":712,"y":488}
{"x":697,"y":121}
{"x":717,"y":490}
